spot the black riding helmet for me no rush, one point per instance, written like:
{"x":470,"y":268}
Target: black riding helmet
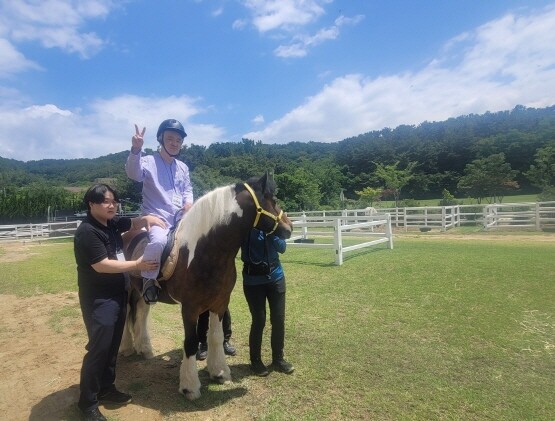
{"x":170,"y":124}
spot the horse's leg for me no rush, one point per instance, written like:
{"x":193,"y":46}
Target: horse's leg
{"x":189,"y":383}
{"x":141,"y":331}
{"x":215,"y":360}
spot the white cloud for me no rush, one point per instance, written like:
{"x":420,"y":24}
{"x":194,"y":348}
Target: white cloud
{"x":290,"y":17}
{"x":291,"y":51}
{"x":301,"y":43}
{"x":54,"y":23}
{"x":259,"y":119}
{"x":12,"y":61}
{"x":239,"y":24}
{"x":505,"y":62}
{"x":46,"y":131}
{"x":268,"y":15}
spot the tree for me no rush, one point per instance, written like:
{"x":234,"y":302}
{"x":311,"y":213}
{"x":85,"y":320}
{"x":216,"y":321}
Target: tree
{"x":370,"y":195}
{"x":394,"y":178}
{"x":448,"y":199}
{"x":298,"y":190}
{"x":542,"y":173}
{"x":488,"y":177}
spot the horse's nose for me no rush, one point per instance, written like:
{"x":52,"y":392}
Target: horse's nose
{"x":287,"y":232}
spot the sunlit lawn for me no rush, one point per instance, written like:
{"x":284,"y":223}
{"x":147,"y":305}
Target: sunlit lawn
{"x":434,"y":329}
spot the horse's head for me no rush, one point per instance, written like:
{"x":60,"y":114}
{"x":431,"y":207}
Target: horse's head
{"x":269,"y":217}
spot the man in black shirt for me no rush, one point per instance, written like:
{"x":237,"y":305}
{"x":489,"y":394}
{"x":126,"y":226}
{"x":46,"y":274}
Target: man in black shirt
{"x":102,"y":294}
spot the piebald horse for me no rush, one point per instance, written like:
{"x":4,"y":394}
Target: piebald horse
{"x":207,"y":240}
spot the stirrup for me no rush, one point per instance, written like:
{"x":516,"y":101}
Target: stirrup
{"x":151,"y":291}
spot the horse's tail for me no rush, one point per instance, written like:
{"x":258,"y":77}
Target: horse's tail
{"x":134,"y":297}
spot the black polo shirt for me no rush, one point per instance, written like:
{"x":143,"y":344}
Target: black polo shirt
{"x":94,"y":242}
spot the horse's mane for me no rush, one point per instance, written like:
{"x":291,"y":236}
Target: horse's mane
{"x":214,"y":208}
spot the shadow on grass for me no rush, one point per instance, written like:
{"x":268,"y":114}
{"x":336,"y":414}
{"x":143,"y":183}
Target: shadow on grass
{"x":153,"y":384}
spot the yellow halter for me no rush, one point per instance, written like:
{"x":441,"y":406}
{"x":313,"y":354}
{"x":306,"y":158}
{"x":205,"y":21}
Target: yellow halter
{"x":260,"y":211}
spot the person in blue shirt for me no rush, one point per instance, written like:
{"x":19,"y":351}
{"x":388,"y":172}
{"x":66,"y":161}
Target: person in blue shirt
{"x":264,"y":280}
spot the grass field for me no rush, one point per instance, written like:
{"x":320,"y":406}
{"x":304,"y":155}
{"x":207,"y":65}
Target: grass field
{"x":437,"y":328}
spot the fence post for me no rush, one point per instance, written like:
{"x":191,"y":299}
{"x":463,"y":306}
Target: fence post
{"x":443,"y":219}
{"x":538,"y":223}
{"x":388,"y":231}
{"x":343,"y":215}
{"x":337,"y":240}
{"x":305,"y":229}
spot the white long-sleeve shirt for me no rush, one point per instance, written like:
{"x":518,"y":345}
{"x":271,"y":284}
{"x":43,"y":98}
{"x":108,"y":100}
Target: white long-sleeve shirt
{"x":166,"y":187}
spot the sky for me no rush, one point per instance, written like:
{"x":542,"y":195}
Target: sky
{"x":77,"y":75}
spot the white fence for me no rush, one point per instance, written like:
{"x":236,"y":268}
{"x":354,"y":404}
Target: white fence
{"x":537,"y":216}
{"x":528,"y":215}
{"x":33,"y":232}
{"x":376,"y":227}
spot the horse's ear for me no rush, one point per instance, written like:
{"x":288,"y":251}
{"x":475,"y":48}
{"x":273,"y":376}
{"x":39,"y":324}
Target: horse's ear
{"x":268,"y":183}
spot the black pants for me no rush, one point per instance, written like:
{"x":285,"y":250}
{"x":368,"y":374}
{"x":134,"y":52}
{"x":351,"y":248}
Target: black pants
{"x":256,"y":296}
{"x":202,"y":326}
{"x":104,"y":320}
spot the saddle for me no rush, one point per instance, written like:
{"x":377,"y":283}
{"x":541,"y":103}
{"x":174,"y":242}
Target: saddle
{"x":170,"y":254}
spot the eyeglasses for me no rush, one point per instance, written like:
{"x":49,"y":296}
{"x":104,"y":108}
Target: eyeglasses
{"x":108,"y":202}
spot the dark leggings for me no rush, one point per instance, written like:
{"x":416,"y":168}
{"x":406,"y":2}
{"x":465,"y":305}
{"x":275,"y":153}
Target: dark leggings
{"x":202,"y":326}
{"x":256,"y":296}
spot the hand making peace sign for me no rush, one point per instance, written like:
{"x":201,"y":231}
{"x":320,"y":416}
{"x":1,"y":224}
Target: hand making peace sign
{"x":137,"y":139}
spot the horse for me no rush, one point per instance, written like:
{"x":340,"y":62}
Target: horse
{"x":207,"y":240}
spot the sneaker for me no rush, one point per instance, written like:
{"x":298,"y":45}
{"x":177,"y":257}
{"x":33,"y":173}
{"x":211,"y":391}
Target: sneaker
{"x":93,"y":414}
{"x":114,"y":397}
{"x":283,"y":366}
{"x":151,"y":291}
{"x":229,"y":349}
{"x":202,"y":351}
{"x":258,"y":368}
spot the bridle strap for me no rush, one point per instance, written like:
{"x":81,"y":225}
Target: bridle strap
{"x":260,"y":211}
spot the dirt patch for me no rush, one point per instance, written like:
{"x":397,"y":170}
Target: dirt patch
{"x":15,"y":252}
{"x":42,"y":341}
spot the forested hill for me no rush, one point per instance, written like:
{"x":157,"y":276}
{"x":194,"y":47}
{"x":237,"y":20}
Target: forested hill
{"x":436,"y":156}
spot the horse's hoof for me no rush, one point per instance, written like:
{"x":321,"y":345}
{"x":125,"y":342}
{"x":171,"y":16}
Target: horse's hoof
{"x":147,"y":355}
{"x":220,"y":377}
{"x":127,"y":352}
{"x":191,"y":395}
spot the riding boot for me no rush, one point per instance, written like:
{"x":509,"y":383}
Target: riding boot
{"x":229,"y":349}
{"x":151,"y":290}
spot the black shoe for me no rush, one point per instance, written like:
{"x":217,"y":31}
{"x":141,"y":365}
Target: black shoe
{"x":93,"y":415}
{"x":151,"y":291}
{"x":282,"y":366}
{"x":202,"y":351}
{"x":114,"y":397}
{"x":229,"y":349}
{"x":259,"y":368}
